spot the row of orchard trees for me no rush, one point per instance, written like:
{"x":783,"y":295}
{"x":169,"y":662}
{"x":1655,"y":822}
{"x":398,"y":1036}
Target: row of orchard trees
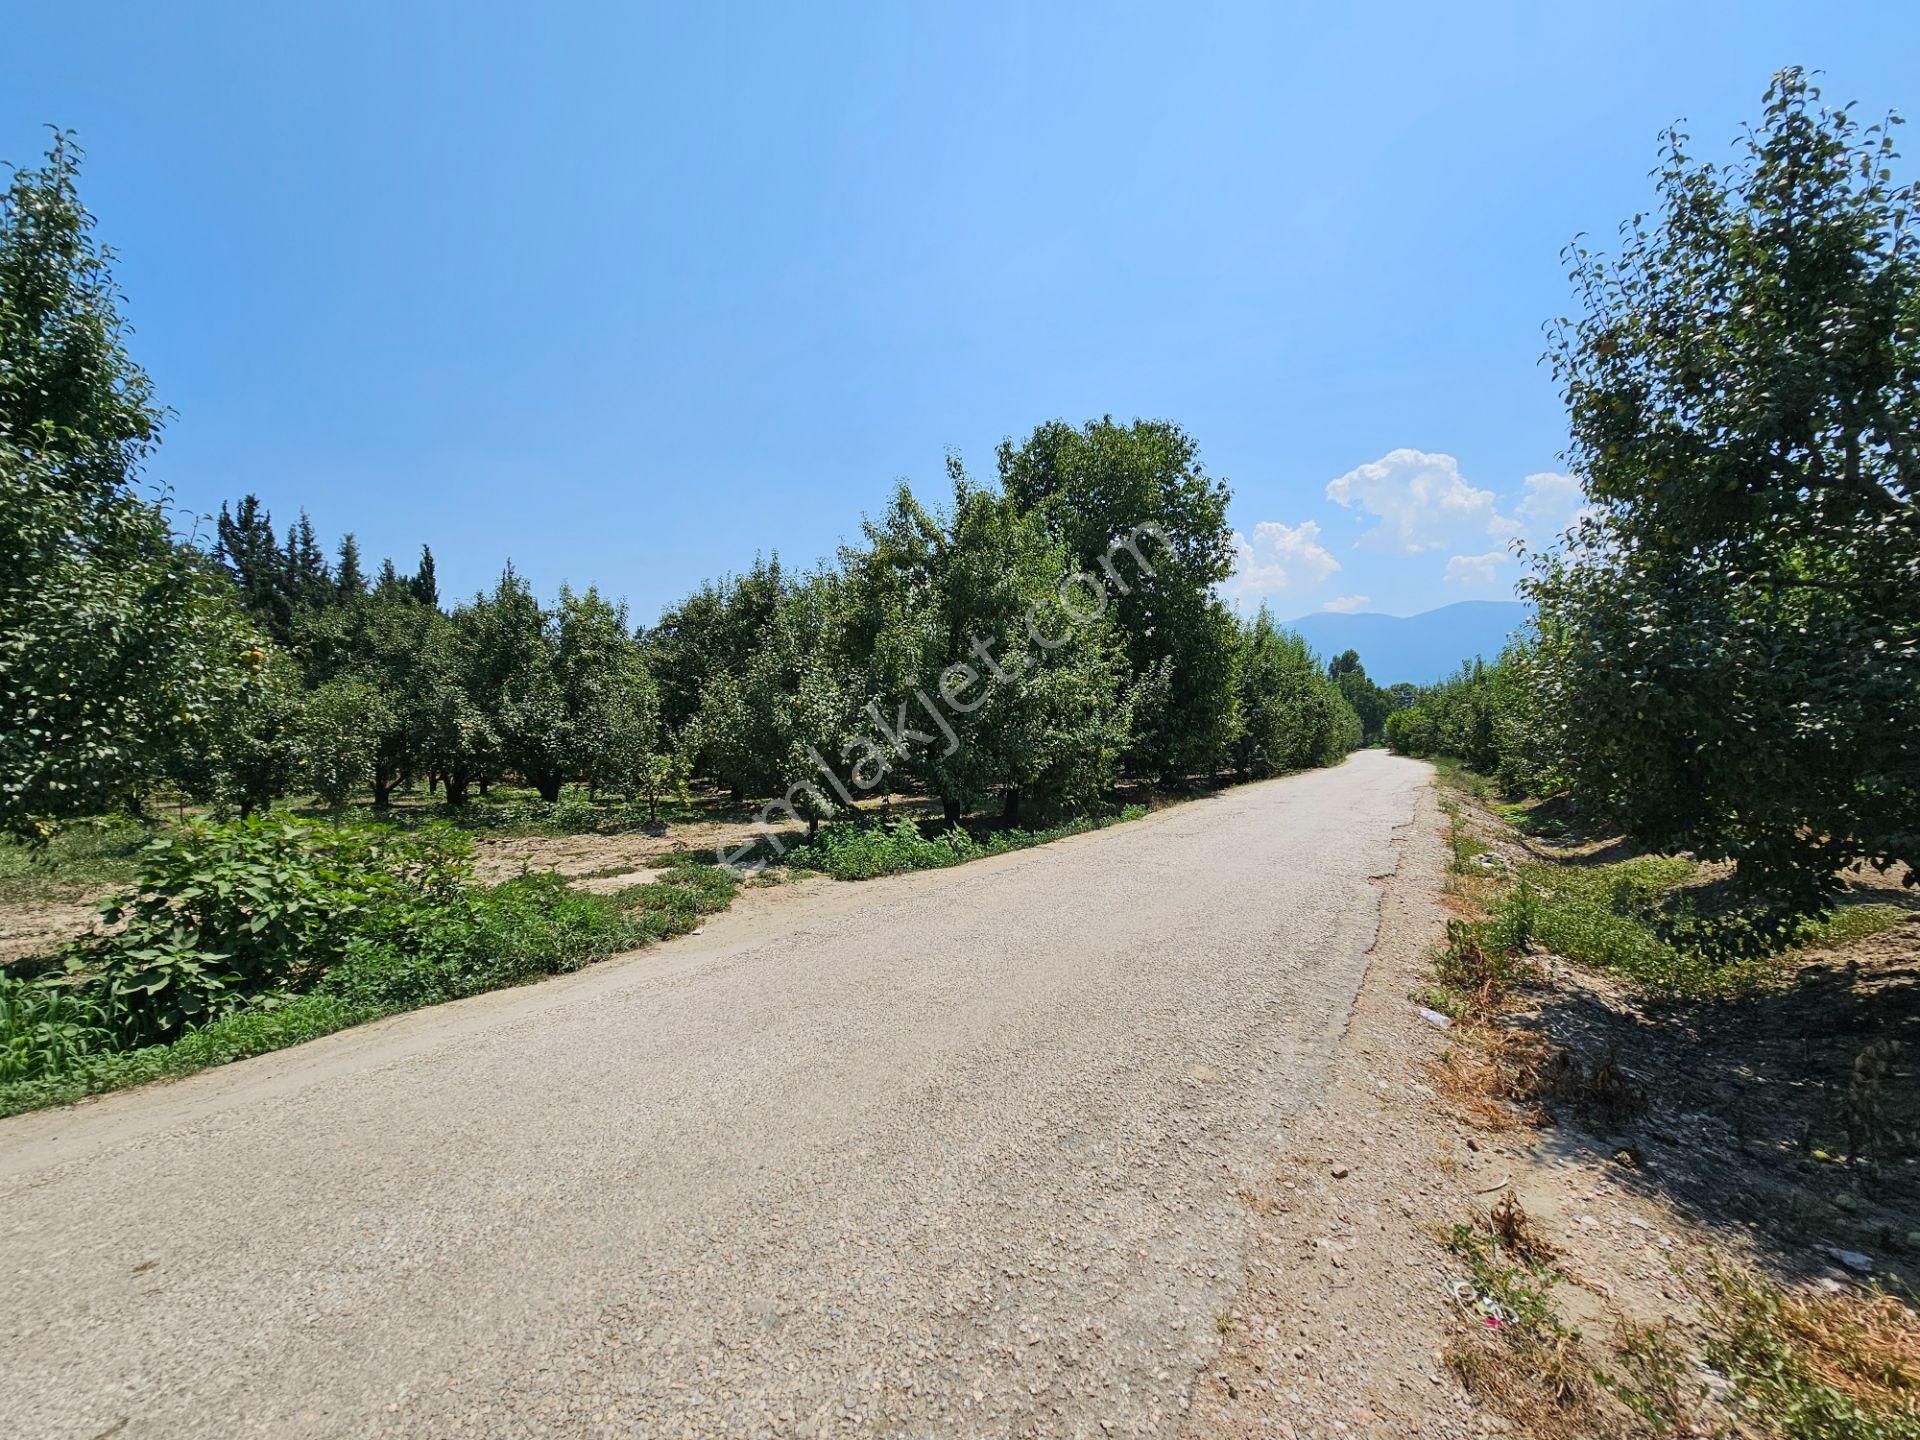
{"x":1018,"y":646}
{"x":377,"y":686}
{"x":1726,"y":654}
{"x":372,"y":684}
{"x":966,"y":650}
{"x":1033,"y":657}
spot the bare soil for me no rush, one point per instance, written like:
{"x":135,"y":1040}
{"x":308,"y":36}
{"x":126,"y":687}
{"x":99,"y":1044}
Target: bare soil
{"x":43,"y":926}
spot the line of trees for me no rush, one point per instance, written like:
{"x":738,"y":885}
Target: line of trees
{"x":1063,"y":622}
{"x":1047,"y":692}
{"x":1726,"y":657}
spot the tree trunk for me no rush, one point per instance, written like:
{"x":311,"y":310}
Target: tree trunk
{"x":1010,"y":805}
{"x":486,"y":786}
{"x":382,"y":791}
{"x":734,"y":794}
{"x":950,"y":808}
{"x":813,"y":827}
{"x":457,"y":781}
{"x":548,"y":786}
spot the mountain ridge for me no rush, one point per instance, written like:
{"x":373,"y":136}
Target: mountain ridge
{"x":1419,"y":648}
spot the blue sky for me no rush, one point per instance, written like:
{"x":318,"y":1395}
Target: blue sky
{"x":629,"y":293}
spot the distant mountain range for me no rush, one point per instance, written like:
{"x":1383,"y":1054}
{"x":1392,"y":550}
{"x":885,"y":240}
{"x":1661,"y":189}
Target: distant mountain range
{"x":1420,"y":648}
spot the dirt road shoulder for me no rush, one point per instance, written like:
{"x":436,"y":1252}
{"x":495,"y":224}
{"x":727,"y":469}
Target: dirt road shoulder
{"x":1346,"y":1311}
{"x":1580,"y":1211}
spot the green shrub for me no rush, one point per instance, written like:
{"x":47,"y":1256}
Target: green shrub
{"x":1477,"y":969}
{"x":1518,"y":920}
{"x":1412,"y":732}
{"x":232,"y":1037}
{"x":857,"y":852}
{"x":676,"y":903}
{"x":866,"y":852}
{"x":573,"y":814}
{"x":479,"y":940}
{"x":459,"y":943}
{"x":222,"y":914}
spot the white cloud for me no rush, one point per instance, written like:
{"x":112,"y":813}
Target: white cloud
{"x":1422,"y":503}
{"x":1474,"y":569}
{"x":1279,"y":557}
{"x":1347,"y":604}
{"x":1552,"y":504}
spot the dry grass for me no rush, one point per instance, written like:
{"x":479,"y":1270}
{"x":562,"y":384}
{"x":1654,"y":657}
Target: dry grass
{"x":1529,"y":1368}
{"x":1492,"y":1077}
{"x":1548,"y":1380}
{"x":1865,"y":1346}
{"x":1542,"y":1389}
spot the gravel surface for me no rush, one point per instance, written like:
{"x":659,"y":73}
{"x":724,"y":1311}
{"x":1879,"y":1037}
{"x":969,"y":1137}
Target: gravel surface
{"x":950,"y":1154}
{"x":1348,"y":1305}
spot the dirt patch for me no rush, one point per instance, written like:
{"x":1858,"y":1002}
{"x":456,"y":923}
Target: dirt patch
{"x":42,"y":927}
{"x":1784,"y":1123}
{"x":1781,"y":1122}
{"x":1707,"y":1168}
{"x":577,"y":857}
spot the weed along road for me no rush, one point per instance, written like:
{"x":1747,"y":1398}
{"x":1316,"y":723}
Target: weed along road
{"x":948,"y":1154}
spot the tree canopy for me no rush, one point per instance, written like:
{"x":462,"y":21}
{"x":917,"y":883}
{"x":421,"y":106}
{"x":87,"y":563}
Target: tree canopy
{"x":123,"y":659}
{"x":1729,"y":650}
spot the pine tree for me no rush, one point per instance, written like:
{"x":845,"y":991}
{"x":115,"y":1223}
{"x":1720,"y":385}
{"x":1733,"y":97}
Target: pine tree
{"x":260,"y":569}
{"x":423,"y":585}
{"x":309,"y":583}
{"x":349,"y":581}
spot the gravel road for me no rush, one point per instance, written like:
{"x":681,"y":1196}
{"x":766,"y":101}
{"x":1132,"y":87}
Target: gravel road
{"x":950,"y":1154}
